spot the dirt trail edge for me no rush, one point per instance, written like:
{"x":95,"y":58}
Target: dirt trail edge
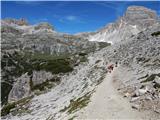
{"x":107,"y":103}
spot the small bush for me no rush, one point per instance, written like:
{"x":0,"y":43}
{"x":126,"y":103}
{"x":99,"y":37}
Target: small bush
{"x":83,"y":59}
{"x":104,"y":44}
{"x":57,"y":66}
{"x":82,"y":54}
{"x":156,"y":33}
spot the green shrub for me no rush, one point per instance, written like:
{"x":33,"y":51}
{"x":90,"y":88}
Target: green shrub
{"x":42,"y":86}
{"x":103,"y":44}
{"x":83,"y":59}
{"x":77,"y":104}
{"x":57,"y":66}
{"x":6,"y":109}
{"x":156,"y":33}
{"x":82,"y":54}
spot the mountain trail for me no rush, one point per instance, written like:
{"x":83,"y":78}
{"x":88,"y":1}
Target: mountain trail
{"x":107,"y":103}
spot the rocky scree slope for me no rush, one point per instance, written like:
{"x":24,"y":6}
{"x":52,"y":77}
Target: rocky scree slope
{"x":38,"y":55}
{"x":73,"y":93}
{"x":140,"y":56}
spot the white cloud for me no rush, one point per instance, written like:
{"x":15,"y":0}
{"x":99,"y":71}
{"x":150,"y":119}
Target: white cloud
{"x":71,"y":18}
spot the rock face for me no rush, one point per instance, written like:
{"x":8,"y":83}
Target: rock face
{"x":140,"y":16}
{"x":42,"y":38}
{"x":23,"y":85}
{"x":44,"y":26}
{"x":19,"y":22}
{"x":135,"y":19}
{"x":21,"y":88}
{"x":40,"y":77}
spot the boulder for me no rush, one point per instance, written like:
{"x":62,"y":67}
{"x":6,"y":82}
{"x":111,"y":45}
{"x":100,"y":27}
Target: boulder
{"x":19,"y":22}
{"x":133,"y":99}
{"x":127,"y":94}
{"x":157,"y":82}
{"x":142,"y":91}
{"x":135,"y":106}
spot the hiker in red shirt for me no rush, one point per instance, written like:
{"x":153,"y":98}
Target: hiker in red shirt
{"x":110,"y":68}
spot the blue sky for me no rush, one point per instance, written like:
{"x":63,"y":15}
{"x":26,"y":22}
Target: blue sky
{"x":71,"y":16}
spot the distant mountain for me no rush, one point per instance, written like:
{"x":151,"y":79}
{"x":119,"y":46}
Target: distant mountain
{"x":26,"y":47}
{"x":19,"y":35}
{"x":136,"y":19}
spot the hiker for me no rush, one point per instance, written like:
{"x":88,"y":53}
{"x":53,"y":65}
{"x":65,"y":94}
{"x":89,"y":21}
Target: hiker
{"x":110,"y":68}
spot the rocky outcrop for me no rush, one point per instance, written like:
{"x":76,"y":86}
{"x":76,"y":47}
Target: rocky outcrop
{"x":20,"y":89}
{"x":140,"y":16}
{"x":39,"y":77}
{"x":25,"y":84}
{"x":19,"y":22}
{"x":43,"y":26}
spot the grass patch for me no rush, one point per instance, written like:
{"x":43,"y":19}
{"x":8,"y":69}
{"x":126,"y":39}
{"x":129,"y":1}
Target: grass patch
{"x":77,"y":104}
{"x":42,"y":86}
{"x":7,"y":108}
{"x":40,"y":56}
{"x":57,"y":66}
{"x":47,"y":84}
{"x":72,"y":118}
{"x":27,"y":62}
{"x":83,"y":59}
{"x":103,"y":44}
{"x":151,"y":78}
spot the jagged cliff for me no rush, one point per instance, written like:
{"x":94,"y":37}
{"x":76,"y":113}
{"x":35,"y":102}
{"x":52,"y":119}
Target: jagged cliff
{"x":134,"y":20}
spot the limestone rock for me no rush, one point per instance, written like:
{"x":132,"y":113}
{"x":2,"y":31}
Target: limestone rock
{"x":21,"y":88}
{"x":136,"y":19}
{"x":41,"y":76}
{"x":157,"y":80}
{"x":20,"y":22}
{"x":44,"y":25}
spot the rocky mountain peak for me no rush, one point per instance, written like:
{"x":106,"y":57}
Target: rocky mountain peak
{"x":138,"y":15}
{"x":44,"y":25}
{"x":19,"y":22}
{"x":135,"y":19}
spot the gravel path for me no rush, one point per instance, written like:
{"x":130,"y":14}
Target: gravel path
{"x":107,"y":103}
